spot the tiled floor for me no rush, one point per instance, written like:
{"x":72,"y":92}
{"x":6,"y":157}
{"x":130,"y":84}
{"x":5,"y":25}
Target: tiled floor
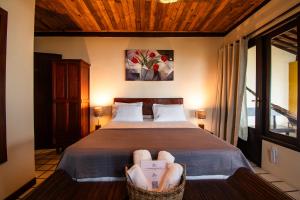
{"x":46,"y":161}
{"x":283,"y":186}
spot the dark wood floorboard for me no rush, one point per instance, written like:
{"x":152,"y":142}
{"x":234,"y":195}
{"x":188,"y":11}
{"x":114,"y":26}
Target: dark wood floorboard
{"x":101,"y":190}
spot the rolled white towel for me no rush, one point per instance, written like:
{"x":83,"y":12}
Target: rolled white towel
{"x":139,"y":155}
{"x":164,"y":155}
{"x":171,"y":178}
{"x":138,"y":178}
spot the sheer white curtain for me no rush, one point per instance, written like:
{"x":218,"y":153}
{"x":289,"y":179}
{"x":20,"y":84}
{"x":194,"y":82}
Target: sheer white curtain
{"x":232,"y":64}
{"x":243,"y":130}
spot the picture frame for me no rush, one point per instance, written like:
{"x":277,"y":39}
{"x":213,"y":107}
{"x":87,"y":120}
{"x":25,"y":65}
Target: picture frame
{"x":149,"y":65}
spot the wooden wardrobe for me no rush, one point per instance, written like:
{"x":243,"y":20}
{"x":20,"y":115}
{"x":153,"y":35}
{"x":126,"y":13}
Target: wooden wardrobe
{"x":70,"y":101}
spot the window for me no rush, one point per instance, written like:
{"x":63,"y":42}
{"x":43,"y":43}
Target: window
{"x":284,"y":84}
{"x":280,"y":53}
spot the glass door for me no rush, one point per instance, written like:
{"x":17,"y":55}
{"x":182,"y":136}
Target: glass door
{"x":251,"y":96}
{"x":252,"y":104}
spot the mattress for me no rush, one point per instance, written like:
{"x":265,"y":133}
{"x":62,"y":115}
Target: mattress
{"x":105,"y":153}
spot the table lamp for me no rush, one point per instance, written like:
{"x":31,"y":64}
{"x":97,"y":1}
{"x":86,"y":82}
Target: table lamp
{"x":201,"y":114}
{"x":98,"y":113}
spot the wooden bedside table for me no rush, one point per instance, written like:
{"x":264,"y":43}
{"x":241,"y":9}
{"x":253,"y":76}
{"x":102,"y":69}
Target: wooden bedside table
{"x":207,"y":131}
{"x":97,"y":127}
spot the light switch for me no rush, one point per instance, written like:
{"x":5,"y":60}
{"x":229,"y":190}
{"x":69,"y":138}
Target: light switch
{"x":274,"y":155}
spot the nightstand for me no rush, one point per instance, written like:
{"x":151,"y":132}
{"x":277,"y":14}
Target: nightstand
{"x":97,"y":127}
{"x":206,"y":130}
{"x":201,"y":126}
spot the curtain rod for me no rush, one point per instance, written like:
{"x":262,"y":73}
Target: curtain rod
{"x":274,"y":19}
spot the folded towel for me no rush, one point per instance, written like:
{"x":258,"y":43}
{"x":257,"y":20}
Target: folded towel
{"x":171,"y":178}
{"x":164,"y":155}
{"x":138,"y":178}
{"x":139,"y":155}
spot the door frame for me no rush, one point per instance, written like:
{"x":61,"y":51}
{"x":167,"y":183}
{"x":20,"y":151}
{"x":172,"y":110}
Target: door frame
{"x":3,"y":45}
{"x":252,"y":148}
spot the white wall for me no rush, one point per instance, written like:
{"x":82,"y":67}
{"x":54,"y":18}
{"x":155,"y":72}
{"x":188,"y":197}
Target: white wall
{"x":280,"y":60}
{"x":280,"y":76}
{"x":288,"y":169}
{"x":288,"y":166}
{"x":194,"y":75}
{"x":19,"y":169}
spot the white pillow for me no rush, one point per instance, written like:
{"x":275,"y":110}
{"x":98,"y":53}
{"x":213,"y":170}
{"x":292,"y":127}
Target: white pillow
{"x":129,"y":113}
{"x":170,"y":112}
{"x":115,"y":105}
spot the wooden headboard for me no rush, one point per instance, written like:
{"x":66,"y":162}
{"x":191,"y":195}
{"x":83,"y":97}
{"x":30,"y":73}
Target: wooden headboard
{"x":148,"y":102}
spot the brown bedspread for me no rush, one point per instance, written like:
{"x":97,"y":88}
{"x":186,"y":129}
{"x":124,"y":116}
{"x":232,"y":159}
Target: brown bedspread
{"x":106,"y":152}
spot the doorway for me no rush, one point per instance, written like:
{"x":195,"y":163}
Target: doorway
{"x":43,"y":133}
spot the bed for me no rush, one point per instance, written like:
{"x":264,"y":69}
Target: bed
{"x":102,"y":156}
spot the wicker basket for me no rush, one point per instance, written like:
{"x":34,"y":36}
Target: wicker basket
{"x":136,"y":193}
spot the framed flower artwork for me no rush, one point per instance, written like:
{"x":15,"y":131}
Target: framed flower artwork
{"x":149,"y":65}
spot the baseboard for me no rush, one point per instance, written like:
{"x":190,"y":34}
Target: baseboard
{"x":21,"y":190}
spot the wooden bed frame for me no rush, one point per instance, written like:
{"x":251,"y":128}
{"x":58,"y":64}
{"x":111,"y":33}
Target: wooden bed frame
{"x":148,"y":102}
{"x":243,"y":184}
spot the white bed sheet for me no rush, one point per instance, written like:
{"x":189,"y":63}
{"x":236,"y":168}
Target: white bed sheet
{"x":149,"y":124}
{"x":110,"y":179}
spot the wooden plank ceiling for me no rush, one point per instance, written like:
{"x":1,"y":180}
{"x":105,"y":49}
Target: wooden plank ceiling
{"x":287,"y":41}
{"x":210,"y":16}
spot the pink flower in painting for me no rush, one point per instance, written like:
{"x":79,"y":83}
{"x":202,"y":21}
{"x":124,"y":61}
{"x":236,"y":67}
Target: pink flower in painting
{"x":137,"y":52}
{"x":134,"y":60}
{"x":152,"y":55}
{"x":155,"y":67}
{"x":164,"y":58}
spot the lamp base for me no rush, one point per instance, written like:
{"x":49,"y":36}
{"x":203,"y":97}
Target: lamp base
{"x":97,"y":127}
{"x":201,"y":126}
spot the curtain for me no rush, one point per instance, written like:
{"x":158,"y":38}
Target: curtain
{"x":243,"y":130}
{"x":232,"y":64}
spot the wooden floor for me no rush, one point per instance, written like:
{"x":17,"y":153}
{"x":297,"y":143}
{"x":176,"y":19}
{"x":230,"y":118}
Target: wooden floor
{"x":242,"y":185}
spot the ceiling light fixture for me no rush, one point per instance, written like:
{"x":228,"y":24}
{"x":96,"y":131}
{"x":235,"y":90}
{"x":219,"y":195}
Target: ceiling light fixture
{"x":168,"y":1}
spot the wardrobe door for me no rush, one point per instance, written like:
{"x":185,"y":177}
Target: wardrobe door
{"x":73,"y":81}
{"x":85,"y":119}
{"x":60,"y":103}
{"x":59,"y":74}
{"x":85,"y":82}
{"x":74,"y":132}
{"x":60,"y":122}
{"x":74,"y":100}
{"x":85,"y":99}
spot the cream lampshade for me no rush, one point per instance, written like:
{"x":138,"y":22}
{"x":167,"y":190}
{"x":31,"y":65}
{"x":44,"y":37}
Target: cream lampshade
{"x":98,"y":112}
{"x":201,"y":114}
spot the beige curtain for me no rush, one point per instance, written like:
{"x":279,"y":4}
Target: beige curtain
{"x":232,"y":62}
